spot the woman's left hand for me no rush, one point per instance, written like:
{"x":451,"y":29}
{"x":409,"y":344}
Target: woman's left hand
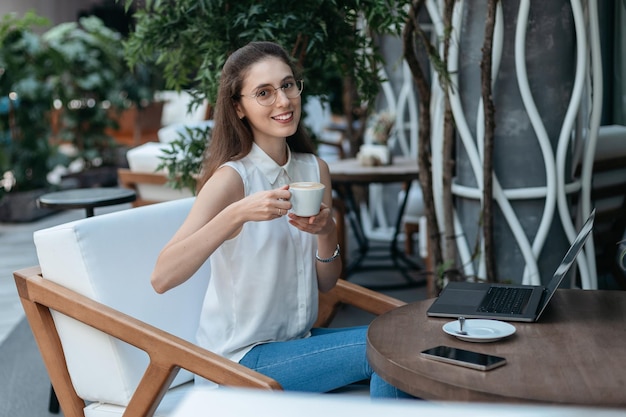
{"x":320,"y":224}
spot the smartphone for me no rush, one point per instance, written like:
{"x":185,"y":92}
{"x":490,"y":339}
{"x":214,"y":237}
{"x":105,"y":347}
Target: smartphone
{"x":464,"y":358}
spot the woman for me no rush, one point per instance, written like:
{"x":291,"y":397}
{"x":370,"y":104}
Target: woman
{"x":267,"y":264}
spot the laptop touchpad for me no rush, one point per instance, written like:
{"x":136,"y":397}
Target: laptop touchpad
{"x":464,"y":297}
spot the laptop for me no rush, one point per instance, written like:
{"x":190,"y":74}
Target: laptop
{"x":503,"y":301}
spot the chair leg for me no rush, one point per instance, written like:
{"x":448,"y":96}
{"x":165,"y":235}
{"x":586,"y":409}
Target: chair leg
{"x":53,"y":405}
{"x":339,"y":214}
{"x":409,"y":230}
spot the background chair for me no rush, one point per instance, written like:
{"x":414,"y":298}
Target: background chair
{"x":142,"y":175}
{"x":113,"y":346}
{"x":398,"y":98}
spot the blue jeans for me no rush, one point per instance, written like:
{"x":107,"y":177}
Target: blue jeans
{"x":327,"y":360}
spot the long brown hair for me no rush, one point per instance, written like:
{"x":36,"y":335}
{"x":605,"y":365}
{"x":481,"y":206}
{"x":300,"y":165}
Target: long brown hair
{"x":231,"y":137}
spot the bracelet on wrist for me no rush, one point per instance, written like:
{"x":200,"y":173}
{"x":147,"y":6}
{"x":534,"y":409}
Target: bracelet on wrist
{"x":332,"y":258}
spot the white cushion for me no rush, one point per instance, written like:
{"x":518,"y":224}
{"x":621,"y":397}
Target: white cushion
{"x":237,"y":402}
{"x":176,"y":107}
{"x":145,"y":158}
{"x":109,"y":258}
{"x":176,"y":131}
{"x":170,"y":402}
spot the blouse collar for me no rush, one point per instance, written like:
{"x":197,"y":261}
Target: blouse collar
{"x":268,"y":167}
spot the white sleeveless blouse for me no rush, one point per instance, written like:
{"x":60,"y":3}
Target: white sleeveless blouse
{"x":263,"y":285}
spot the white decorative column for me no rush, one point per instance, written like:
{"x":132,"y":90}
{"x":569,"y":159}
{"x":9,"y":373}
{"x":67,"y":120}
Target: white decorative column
{"x":547,"y":84}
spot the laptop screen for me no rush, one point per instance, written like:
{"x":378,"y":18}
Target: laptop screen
{"x":568,"y":260}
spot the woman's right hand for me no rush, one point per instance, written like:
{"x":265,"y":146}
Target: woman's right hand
{"x":266,"y":205}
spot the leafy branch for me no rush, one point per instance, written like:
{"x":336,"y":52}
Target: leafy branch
{"x":183,"y":160}
{"x":193,"y":38}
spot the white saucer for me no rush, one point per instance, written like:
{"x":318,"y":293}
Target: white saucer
{"x":480,"y":330}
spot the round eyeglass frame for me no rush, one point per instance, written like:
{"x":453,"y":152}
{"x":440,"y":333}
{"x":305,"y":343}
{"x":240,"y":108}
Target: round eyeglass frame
{"x":299,"y":84}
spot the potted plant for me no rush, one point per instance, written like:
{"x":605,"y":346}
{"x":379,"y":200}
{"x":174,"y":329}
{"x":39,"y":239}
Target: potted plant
{"x":26,"y":155}
{"x":92,"y":90}
{"x":375,"y":151}
{"x":86,"y":90}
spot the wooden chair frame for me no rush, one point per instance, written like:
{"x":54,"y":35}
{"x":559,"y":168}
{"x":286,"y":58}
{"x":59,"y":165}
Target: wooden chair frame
{"x":167,"y":353}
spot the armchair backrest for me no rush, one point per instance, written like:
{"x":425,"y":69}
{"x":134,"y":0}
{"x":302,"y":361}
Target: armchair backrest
{"x":109,"y":258}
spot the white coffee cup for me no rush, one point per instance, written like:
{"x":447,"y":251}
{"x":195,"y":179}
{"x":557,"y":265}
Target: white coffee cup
{"x":306,"y":198}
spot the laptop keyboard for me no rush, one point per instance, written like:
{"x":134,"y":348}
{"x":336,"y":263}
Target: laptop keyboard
{"x":505,"y":300}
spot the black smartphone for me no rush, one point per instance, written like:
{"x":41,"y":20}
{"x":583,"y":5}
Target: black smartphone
{"x":464,"y":357}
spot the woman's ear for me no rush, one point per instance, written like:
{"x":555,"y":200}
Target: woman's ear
{"x":238,"y":109}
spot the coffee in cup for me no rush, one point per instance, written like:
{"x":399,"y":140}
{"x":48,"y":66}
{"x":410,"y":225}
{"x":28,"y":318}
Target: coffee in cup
{"x":306,"y":198}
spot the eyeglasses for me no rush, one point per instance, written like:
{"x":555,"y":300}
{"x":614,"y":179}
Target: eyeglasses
{"x":266,"y":96}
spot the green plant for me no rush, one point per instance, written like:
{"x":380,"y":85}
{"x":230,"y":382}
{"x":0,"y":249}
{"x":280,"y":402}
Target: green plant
{"x":331,"y":40}
{"x":78,"y":72}
{"x":94,"y":84}
{"x":88,"y":85}
{"x":183,"y":160}
{"x":192,"y":40}
{"x":26,"y":65}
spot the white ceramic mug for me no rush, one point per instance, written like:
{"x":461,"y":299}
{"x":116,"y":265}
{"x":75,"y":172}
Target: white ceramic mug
{"x":306,"y":198}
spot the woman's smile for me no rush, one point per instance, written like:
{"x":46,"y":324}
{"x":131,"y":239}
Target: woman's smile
{"x":284,"y":117}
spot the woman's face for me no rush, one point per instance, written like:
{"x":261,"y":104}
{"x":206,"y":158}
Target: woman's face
{"x":278,"y":120}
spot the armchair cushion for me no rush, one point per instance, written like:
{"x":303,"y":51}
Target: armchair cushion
{"x":109,"y":259}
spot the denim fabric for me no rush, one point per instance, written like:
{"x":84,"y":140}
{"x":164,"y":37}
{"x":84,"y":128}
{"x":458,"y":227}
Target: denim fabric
{"x":327,"y":360}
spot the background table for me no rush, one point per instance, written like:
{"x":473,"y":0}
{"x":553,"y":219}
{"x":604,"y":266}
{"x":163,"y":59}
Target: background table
{"x":87,"y":198}
{"x":574,"y":355}
{"x":347,"y":173}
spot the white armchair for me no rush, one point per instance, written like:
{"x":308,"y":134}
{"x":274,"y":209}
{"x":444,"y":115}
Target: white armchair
{"x":110,"y":343}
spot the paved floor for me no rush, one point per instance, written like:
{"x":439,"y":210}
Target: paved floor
{"x":17,"y":251}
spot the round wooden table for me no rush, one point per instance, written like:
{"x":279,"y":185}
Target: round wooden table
{"x":86,"y":198}
{"x":574,"y":355}
{"x":351,"y":171}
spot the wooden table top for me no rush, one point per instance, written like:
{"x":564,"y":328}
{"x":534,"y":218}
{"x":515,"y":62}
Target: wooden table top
{"x":352,"y":171}
{"x":575,"y":354}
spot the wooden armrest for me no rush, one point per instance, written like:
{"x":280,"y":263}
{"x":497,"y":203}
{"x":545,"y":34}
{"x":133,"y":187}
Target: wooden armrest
{"x":168,"y":353}
{"x":368,"y":300}
{"x":346,"y":292}
{"x":130,"y":179}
